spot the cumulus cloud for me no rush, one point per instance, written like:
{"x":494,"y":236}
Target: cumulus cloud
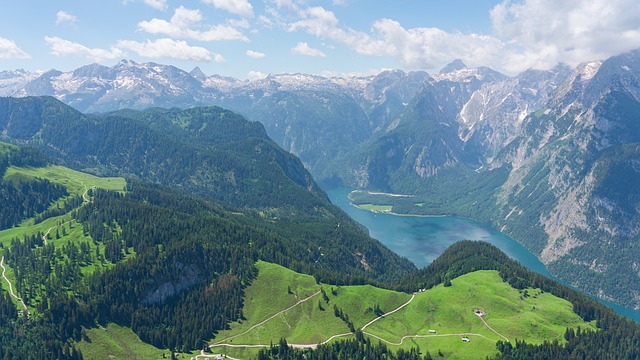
{"x":65,"y":17}
{"x":219,"y":58}
{"x":526,"y":34}
{"x":62,"y":47}
{"x":255,"y":54}
{"x":303,"y":48}
{"x":183,"y":25}
{"x":542,"y":33}
{"x":167,"y":48}
{"x":238,"y":7}
{"x":9,"y":50}
{"x":415,"y":48}
{"x":157,"y":4}
{"x":239,"y":23}
{"x":255,"y":75}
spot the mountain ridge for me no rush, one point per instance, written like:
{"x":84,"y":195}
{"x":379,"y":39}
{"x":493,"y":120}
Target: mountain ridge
{"x":535,"y":149}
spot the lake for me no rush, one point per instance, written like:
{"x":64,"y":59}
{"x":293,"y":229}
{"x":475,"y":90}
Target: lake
{"x":421,"y":239}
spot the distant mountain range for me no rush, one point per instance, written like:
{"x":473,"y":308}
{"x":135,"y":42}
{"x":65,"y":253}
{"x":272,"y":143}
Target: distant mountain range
{"x":549,"y":157}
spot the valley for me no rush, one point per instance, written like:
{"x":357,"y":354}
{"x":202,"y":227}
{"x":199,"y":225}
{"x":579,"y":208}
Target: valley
{"x":546,"y":156}
{"x":83,"y":248}
{"x":422,"y":238}
{"x":315,"y":180}
{"x":220,"y":241}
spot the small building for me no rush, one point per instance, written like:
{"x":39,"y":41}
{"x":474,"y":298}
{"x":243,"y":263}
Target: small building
{"x":465,"y":339}
{"x":432,"y":331}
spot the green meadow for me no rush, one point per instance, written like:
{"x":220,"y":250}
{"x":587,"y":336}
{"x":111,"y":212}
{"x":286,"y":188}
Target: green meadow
{"x":62,"y":229}
{"x":435,"y":320}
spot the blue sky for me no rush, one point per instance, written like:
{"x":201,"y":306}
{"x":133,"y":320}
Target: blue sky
{"x":252,"y":38}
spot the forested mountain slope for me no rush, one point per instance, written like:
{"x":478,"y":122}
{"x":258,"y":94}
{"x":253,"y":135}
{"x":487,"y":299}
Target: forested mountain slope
{"x":549,"y":157}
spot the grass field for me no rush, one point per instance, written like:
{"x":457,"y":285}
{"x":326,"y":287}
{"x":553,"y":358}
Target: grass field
{"x":75,"y":181}
{"x":375,"y":208}
{"x":449,"y":311}
{"x":117,"y":342}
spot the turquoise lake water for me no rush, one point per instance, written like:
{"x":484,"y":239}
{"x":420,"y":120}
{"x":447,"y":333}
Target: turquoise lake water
{"x":422,"y":239}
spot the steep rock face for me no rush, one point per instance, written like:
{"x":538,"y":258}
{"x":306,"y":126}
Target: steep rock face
{"x":422,"y":140}
{"x":574,"y":177}
{"x":494,"y":114}
{"x":550,"y":154}
{"x":388,"y":94}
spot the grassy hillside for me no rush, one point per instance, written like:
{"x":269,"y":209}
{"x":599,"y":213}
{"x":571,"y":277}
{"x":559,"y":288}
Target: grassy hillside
{"x":62,"y":230}
{"x":273,"y":310}
{"x":75,"y":181}
{"x":117,"y":342}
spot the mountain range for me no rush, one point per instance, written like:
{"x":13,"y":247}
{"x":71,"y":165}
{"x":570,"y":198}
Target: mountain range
{"x":548,"y":157}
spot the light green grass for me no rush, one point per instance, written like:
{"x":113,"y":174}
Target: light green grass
{"x":277,"y":288}
{"x":5,"y":147}
{"x":375,"y":208}
{"x":117,"y":342}
{"x":447,"y":310}
{"x":75,"y":181}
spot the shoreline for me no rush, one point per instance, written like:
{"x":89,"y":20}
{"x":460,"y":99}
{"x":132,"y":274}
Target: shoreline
{"x":397,"y":214}
{"x":388,"y":212}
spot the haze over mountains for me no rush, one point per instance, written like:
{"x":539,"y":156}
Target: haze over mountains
{"x":548,"y":157}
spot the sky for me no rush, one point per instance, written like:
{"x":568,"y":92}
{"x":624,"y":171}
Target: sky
{"x":249,"y":39}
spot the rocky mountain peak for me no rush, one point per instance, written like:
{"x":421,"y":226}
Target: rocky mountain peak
{"x":198,"y":74}
{"x":455,"y":65}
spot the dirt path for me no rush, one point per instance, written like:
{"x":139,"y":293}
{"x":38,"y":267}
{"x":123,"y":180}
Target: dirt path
{"x":313,"y":346}
{"x":86,"y":191}
{"x":44,"y":237}
{"x":264,"y":321}
{"x":389,"y":313}
{"x":11,"y":287}
{"x":425,"y":336}
{"x":203,"y":355}
{"x":490,"y":328}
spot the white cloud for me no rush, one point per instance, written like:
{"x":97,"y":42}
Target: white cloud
{"x":157,"y":4}
{"x":255,"y":54}
{"x":542,"y":33}
{"x":182,"y":23}
{"x":304,"y":49}
{"x":255,"y":75}
{"x":65,"y":17}
{"x":219,"y":58}
{"x":414,"y":48}
{"x":9,"y":50}
{"x":526,"y":33}
{"x":239,"y":23}
{"x":265,"y":21}
{"x":62,"y":47}
{"x":238,"y":7}
{"x":167,"y":48}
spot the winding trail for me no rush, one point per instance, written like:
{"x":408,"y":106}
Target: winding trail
{"x":492,"y":329}
{"x":425,"y":336}
{"x":223,"y":342}
{"x":86,"y":191}
{"x":11,"y":287}
{"x":203,"y":355}
{"x":264,"y":321}
{"x":44,"y":237}
{"x":389,"y":313}
{"x":84,"y":198}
